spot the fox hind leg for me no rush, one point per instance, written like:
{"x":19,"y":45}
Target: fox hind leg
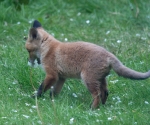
{"x":94,"y":88}
{"x":99,"y":92}
{"x":97,"y":86}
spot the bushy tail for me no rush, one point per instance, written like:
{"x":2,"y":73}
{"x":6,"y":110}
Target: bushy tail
{"x":126,"y":72}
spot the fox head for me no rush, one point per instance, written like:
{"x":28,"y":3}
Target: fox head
{"x":33,"y":44}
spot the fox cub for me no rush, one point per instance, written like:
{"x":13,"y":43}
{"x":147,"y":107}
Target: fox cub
{"x":82,"y":60}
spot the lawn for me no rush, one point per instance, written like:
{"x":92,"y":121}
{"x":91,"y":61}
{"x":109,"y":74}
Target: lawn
{"x":122,"y":27}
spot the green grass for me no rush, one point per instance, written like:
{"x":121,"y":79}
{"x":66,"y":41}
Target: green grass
{"x":109,"y":21}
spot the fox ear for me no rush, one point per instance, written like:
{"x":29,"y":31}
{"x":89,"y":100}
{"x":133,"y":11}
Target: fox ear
{"x":33,"y":33}
{"x":36,"y":24}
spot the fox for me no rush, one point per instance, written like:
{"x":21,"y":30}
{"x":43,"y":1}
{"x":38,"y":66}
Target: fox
{"x":82,"y":60}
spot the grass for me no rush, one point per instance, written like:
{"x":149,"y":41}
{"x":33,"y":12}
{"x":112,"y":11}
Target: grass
{"x":116,"y":25}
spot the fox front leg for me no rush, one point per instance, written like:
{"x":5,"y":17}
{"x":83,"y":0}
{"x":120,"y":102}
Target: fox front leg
{"x":57,"y":87}
{"x":46,"y":84}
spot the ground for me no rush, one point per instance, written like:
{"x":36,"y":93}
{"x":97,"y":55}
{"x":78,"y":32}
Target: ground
{"x":122,"y":27}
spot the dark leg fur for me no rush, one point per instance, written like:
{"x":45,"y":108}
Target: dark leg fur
{"x":104,"y":91}
{"x":40,"y":90}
